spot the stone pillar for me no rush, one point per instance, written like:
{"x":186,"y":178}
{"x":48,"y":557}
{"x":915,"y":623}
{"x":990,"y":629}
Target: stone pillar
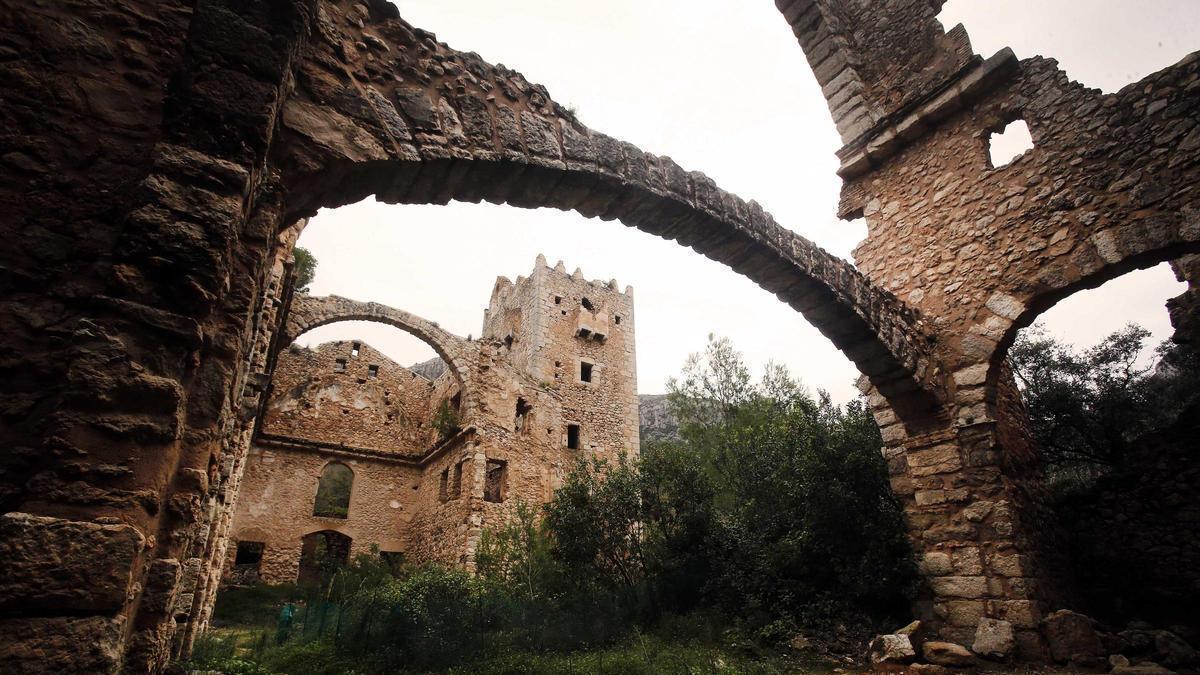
{"x":978,"y":518}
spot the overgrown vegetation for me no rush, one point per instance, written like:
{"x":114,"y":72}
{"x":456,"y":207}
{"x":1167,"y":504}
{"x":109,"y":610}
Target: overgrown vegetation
{"x":1088,"y":408}
{"x":446,"y":420}
{"x":333,"y":491}
{"x":1117,"y":431}
{"x":306,"y":268}
{"x":771,"y":517}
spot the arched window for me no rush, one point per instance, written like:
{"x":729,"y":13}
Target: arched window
{"x":333,"y":491}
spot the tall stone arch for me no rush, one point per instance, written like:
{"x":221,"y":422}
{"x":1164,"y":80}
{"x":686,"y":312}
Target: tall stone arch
{"x":980,"y":251}
{"x":307,"y":312}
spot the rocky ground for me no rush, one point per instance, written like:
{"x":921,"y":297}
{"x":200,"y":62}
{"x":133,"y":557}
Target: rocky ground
{"x":1073,"y":643}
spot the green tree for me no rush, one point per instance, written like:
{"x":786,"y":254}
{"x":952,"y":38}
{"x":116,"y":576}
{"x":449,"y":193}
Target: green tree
{"x":775,"y":506}
{"x":807,"y":527}
{"x":306,"y":268}
{"x":1088,"y":408}
{"x":446,"y":420}
{"x":516,"y":555}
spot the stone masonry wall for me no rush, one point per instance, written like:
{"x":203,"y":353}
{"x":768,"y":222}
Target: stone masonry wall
{"x":313,"y":399}
{"x":567,"y":334}
{"x":276,"y":505}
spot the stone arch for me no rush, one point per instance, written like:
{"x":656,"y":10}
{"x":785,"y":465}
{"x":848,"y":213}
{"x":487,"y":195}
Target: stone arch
{"x":321,"y":550}
{"x":1128,"y":247}
{"x":365,"y":122}
{"x":307,"y":313}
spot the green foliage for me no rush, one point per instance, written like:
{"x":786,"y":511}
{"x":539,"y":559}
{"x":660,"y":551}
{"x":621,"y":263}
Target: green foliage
{"x":333,"y":491}
{"x":446,"y":420}
{"x":257,"y":605}
{"x":806,"y":529}
{"x":306,"y":268}
{"x":516,"y":555}
{"x":1088,"y":408}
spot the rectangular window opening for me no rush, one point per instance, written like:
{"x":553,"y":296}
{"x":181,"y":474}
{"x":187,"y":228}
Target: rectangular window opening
{"x":456,"y":482}
{"x":340,"y":366}
{"x":617,"y":319}
{"x":444,"y":486}
{"x":249,"y":553}
{"x":573,"y":436}
{"x":523,"y":410}
{"x":354,"y":348}
{"x":558,"y":299}
{"x":494,"y":481}
{"x":372,"y":372}
{"x":585,"y":371}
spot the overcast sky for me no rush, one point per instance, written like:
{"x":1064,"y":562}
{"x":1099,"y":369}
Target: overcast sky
{"x":722,"y":87}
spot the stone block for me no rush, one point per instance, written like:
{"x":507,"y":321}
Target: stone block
{"x":964,"y":612}
{"x":65,"y":566}
{"x":894,"y":648}
{"x":1070,"y":636}
{"x":936,"y":563}
{"x":935,"y":460}
{"x":947,"y":654}
{"x":61,"y":645}
{"x":959,"y":587}
{"x":967,"y":562}
{"x":994,"y":639}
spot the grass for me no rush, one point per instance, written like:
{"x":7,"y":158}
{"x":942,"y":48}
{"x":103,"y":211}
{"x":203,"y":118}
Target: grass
{"x":251,"y":651}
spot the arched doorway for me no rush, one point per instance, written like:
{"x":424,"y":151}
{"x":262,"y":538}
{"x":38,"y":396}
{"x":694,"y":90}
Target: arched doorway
{"x":321,"y":553}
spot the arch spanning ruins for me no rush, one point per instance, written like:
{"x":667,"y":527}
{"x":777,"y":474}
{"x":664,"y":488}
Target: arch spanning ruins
{"x":157,"y":156}
{"x":435,"y":457}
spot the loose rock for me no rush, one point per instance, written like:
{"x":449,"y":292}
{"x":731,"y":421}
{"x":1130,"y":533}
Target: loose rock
{"x":892,"y":649}
{"x":1071,"y":636}
{"x":994,"y":639}
{"x":947,"y":654}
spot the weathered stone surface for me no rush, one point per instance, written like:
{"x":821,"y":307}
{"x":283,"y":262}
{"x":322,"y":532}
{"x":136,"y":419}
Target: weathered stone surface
{"x":54,"y":646}
{"x":65,"y":566}
{"x":959,"y":586}
{"x":928,"y":669}
{"x":994,"y":639}
{"x":893,"y":648}
{"x":1070,"y":635}
{"x":947,"y":654}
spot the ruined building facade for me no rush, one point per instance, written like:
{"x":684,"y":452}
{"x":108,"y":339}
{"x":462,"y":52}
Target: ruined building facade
{"x":428,"y":462}
{"x":159,"y":159}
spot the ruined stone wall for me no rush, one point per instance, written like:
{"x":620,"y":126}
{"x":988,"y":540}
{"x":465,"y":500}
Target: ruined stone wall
{"x":981,"y":250}
{"x":512,"y":448}
{"x":155,"y":151}
{"x":329,"y":396}
{"x":1185,"y":308}
{"x":275,"y":506}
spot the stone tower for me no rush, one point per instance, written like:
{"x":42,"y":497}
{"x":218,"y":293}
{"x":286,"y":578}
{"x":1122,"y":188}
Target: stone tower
{"x":577,"y":337}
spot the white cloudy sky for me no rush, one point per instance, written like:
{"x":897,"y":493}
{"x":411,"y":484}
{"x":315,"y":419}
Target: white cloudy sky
{"x":722,"y":87}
